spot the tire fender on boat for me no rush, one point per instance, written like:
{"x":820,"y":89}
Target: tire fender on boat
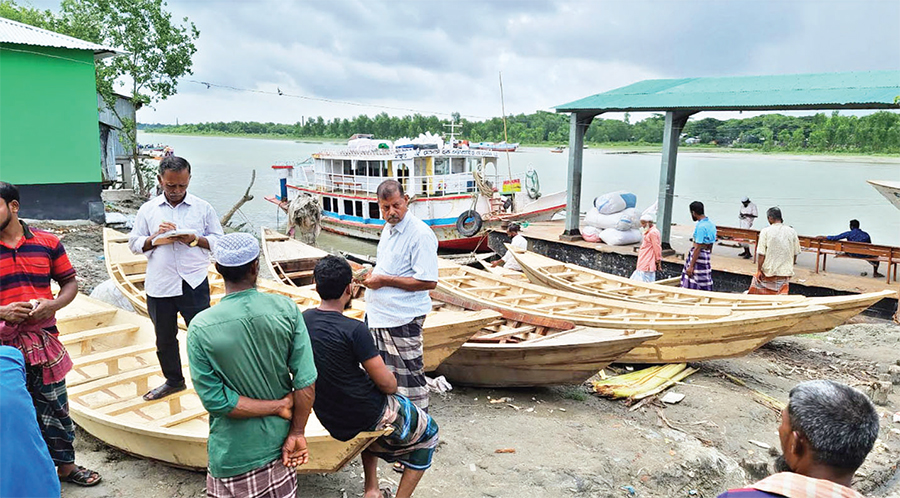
{"x":532,"y":184}
{"x":469,"y":223}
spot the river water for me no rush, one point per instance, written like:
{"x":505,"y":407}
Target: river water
{"x":817,"y":195}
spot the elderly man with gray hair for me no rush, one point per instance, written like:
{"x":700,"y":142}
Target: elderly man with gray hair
{"x":826,"y":432}
{"x":777,"y":252}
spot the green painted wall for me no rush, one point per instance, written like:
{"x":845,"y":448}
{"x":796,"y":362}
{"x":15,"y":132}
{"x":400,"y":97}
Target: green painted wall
{"x":49,"y":131}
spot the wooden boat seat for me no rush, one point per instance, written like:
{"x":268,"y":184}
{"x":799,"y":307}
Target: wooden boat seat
{"x":512,"y":297}
{"x":111,"y":358}
{"x":298,"y":274}
{"x":554,"y":304}
{"x":88,"y":335}
{"x":180,"y":418}
{"x":86,"y":319}
{"x":134,"y":376}
{"x":138,"y":403}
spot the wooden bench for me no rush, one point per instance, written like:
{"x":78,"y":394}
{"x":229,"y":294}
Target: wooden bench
{"x":823,"y":247}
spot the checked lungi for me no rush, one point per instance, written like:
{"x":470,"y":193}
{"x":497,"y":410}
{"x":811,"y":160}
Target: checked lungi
{"x":414,"y":438}
{"x":273,"y":480}
{"x":51,"y":402}
{"x":769,"y":285}
{"x":401,"y":350}
{"x":702,"y":278}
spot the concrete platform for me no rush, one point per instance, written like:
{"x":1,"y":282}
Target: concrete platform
{"x":730,"y":272}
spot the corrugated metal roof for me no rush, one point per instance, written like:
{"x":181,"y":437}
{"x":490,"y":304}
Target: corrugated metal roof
{"x":856,"y":90}
{"x":24,"y":34}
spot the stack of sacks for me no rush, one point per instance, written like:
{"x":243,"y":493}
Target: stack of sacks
{"x":613,"y":219}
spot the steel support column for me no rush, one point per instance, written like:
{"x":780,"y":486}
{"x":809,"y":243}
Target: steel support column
{"x":675,"y":121}
{"x":578,"y":125}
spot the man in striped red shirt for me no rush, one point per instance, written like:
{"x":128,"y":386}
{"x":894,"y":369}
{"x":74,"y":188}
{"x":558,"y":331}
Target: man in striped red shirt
{"x":28,"y":260}
{"x":826,"y":432}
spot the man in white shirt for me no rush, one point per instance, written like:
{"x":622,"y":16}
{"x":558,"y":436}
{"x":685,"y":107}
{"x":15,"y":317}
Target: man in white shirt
{"x":777,"y":252}
{"x":746,"y":217}
{"x":397,"y":298}
{"x":519,"y":242}
{"x":177,"y":267}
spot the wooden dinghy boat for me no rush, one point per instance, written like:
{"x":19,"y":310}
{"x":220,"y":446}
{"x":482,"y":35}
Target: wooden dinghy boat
{"x":291,"y":261}
{"x":521,"y":350}
{"x":689,"y":334}
{"x":573,"y":278}
{"x":114,"y":353}
{"x":443,"y":332}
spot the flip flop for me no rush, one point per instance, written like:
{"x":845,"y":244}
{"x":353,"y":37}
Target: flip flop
{"x":163,"y":391}
{"x":398,"y":468}
{"x":81,"y":476}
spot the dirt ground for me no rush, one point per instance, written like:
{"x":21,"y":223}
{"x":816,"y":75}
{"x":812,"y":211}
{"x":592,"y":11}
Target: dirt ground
{"x":567,"y":441}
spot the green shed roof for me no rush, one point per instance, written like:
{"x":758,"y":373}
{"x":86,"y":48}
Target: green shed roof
{"x":854,"y":90}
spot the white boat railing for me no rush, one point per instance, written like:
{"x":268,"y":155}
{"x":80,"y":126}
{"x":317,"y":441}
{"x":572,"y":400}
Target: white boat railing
{"x":434,"y":185}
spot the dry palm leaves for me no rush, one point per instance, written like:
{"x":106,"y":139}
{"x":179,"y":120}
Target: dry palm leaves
{"x":643,"y":383}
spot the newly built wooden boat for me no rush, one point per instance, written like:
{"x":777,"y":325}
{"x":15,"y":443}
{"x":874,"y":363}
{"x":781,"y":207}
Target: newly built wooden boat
{"x":569,"y":277}
{"x":520,"y":350}
{"x":443,"y":332}
{"x":689,"y":334}
{"x":114,"y":353}
{"x":290,"y":261}
{"x":573,"y":278}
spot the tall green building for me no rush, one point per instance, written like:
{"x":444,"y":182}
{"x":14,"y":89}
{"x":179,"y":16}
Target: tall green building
{"x":49,"y":131}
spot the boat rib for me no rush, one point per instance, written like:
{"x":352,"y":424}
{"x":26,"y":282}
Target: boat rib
{"x":290,"y":261}
{"x":689,"y":333}
{"x":573,"y":278}
{"x":115,"y":364}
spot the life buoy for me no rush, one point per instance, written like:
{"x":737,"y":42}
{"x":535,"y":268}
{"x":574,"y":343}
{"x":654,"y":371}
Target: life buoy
{"x":532,"y":184}
{"x":469,"y":223}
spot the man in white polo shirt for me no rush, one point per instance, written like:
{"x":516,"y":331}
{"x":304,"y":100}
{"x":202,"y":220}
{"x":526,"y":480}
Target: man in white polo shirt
{"x":397,"y":297}
{"x":176,"y":267}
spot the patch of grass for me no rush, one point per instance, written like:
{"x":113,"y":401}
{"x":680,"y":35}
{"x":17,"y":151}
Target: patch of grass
{"x":576,"y":393}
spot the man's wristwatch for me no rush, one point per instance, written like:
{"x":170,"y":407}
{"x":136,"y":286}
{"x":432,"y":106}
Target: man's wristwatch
{"x":195,"y":242}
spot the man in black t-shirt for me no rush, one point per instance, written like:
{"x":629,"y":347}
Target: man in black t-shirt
{"x":355,"y":391}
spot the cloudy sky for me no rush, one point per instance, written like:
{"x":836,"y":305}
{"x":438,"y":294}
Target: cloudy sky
{"x":443,"y":56}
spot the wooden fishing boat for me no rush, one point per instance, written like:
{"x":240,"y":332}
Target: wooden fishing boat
{"x":290,"y":260}
{"x":581,"y":280}
{"x":573,"y":278}
{"x":114,"y":353}
{"x":689,"y":333}
{"x":443,"y":332}
{"x":521,"y":350}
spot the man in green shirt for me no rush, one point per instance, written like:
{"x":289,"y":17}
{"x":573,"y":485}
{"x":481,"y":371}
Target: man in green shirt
{"x":252,"y":367}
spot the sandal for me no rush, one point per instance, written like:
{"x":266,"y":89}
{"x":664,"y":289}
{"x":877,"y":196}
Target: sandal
{"x":163,"y":391}
{"x":387,"y":493}
{"x":82,"y":477}
{"x":398,"y":468}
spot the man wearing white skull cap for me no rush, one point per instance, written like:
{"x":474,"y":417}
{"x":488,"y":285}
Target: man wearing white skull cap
{"x":252,"y":367}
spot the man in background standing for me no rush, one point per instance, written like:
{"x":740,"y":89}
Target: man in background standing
{"x":519,"y":242}
{"x":650,"y":253}
{"x":697,"y":272}
{"x":777,"y":252}
{"x":397,"y":298}
{"x":746,"y":217}
{"x":176,"y":266}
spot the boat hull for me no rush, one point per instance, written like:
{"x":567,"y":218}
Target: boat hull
{"x":533,"y":365}
{"x":889,"y":189}
{"x":686,"y":335}
{"x":115,"y":363}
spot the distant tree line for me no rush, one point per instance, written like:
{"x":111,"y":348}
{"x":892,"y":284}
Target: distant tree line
{"x":875,"y":133}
